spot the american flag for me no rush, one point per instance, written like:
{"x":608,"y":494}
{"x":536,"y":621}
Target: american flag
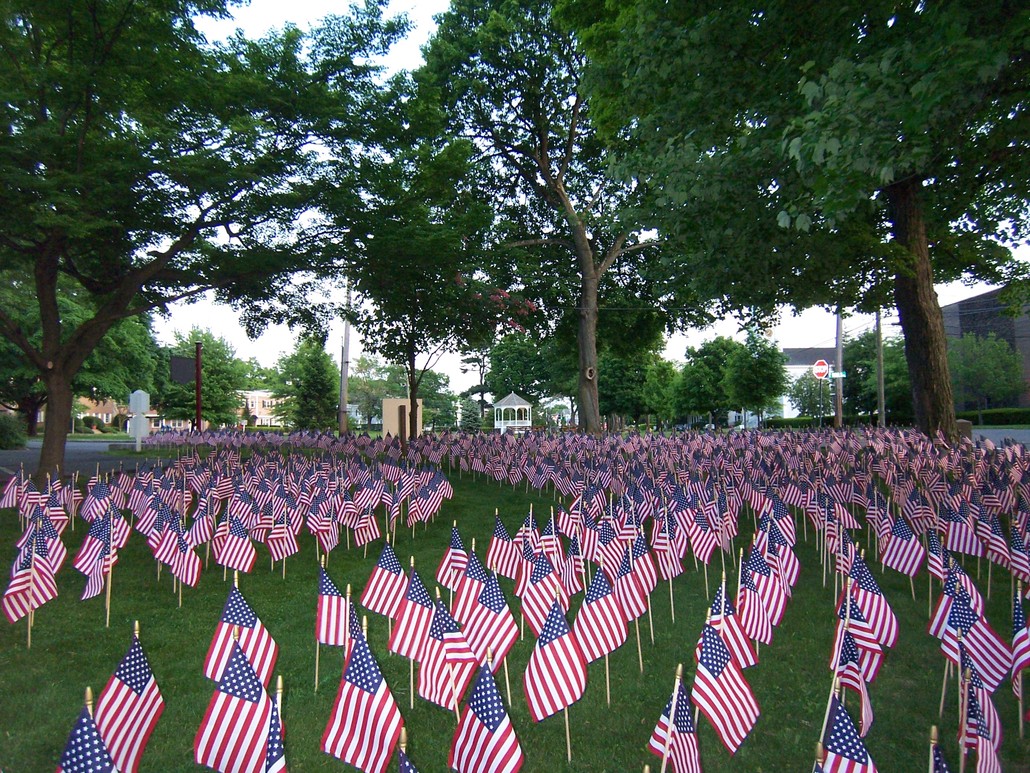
{"x":845,"y":751}
{"x":365,"y":723}
{"x":902,"y":551}
{"x":678,"y":737}
{"x":848,"y":669}
{"x":275,"y":752}
{"x":448,"y":663}
{"x":724,"y":619}
{"x":851,"y":621}
{"x":96,"y":557}
{"x":330,"y":613}
{"x":633,"y":598}
{"x":485,"y":739}
{"x":874,"y":605}
{"x":174,"y":549}
{"x":490,"y":625}
{"x":413,"y":618}
{"x":988,"y":651}
{"x":32,"y":579}
{"x":233,"y":736}
{"x":85,"y":751}
{"x":453,"y":562}
{"x":981,"y":715}
{"x":255,"y":641}
{"x":600,"y":626}
{"x":385,"y":588}
{"x":543,"y":587}
{"x":470,"y":584}
{"x":503,"y":555}
{"x":1020,"y":638}
{"x":128,"y":709}
{"x":235,"y":550}
{"x":721,"y":692}
{"x":768,"y":585}
{"x":556,"y":675}
{"x":754,"y":618}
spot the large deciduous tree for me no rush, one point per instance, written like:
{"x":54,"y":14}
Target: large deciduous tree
{"x":701,"y":386}
{"x":754,"y":375}
{"x":985,"y":371}
{"x":510,"y":80}
{"x":124,"y":359}
{"x":826,"y":154}
{"x":144,"y":166}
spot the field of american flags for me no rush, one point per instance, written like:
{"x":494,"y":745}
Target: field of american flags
{"x":71,"y":648}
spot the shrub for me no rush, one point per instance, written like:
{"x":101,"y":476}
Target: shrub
{"x":93,"y":422}
{"x":12,"y":431}
{"x":997,"y":416}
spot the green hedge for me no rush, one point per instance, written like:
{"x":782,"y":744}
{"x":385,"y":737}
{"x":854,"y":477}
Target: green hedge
{"x":849,"y":420}
{"x":12,"y":431}
{"x":997,"y":416}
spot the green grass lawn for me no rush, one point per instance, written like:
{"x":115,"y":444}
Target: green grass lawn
{"x":41,"y":688}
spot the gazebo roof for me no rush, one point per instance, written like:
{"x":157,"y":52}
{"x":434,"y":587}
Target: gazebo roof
{"x":513,"y":401}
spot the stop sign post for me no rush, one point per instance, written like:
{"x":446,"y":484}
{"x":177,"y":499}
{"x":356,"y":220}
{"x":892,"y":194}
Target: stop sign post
{"x":821,"y":369}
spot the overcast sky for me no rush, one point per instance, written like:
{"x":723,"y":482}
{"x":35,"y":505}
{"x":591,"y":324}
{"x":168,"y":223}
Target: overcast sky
{"x":813,"y":328}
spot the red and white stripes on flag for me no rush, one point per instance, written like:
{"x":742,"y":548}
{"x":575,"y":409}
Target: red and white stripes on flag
{"x":233,"y":736}
{"x":330,"y":613}
{"x":677,"y":737}
{"x":556,"y":675}
{"x":255,"y":641}
{"x":485,"y":740}
{"x":384,"y":591}
{"x":600,"y":626}
{"x":128,"y":709}
{"x":721,"y":693}
{"x":365,"y":722}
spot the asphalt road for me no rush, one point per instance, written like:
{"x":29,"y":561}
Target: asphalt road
{"x":84,"y":456}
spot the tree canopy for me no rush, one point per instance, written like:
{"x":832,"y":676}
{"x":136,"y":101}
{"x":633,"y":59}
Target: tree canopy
{"x":307,"y":386}
{"x":144,"y":165}
{"x":986,"y":371}
{"x":509,"y":79}
{"x":841,"y":156}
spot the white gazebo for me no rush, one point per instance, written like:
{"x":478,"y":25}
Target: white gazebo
{"x":513,"y":412}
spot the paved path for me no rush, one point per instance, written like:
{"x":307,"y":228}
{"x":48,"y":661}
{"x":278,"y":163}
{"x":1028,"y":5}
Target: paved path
{"x":80,"y":456}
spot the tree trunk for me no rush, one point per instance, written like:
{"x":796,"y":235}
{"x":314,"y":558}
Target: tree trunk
{"x":589,"y":414}
{"x":922,"y":323}
{"x":58,"y":419}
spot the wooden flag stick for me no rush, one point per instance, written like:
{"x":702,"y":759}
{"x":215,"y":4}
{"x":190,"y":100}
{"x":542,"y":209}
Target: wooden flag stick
{"x":672,"y":602}
{"x":607,"y":680}
{"x":650,"y":619}
{"x":1019,"y":677}
{"x":933,"y":745}
{"x":944,"y":686}
{"x":834,"y":687}
{"x":89,"y":701}
{"x":568,"y":737}
{"x":640,"y":654}
{"x":107,"y":596}
{"x":672,"y":717}
{"x":507,"y":680}
{"x":963,"y":722}
{"x":318,"y":645}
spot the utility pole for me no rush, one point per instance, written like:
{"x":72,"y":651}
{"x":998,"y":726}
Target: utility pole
{"x":197,"y":400}
{"x":881,"y":401}
{"x":838,"y":381}
{"x":345,"y":367}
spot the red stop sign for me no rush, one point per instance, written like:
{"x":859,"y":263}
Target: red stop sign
{"x":821,"y":369}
